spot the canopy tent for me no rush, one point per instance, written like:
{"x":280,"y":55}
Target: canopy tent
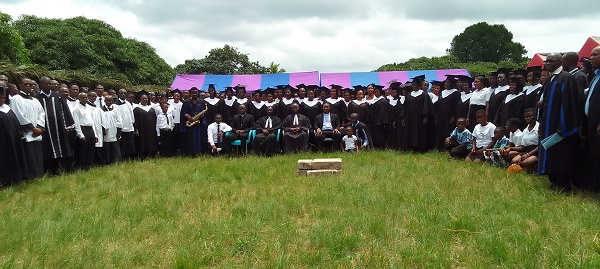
{"x":348,"y":80}
{"x":251,"y":82}
{"x":537,"y":59}
{"x":590,"y":44}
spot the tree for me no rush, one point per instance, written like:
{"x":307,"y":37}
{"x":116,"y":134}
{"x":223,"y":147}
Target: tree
{"x":275,"y":68}
{"x":223,"y":61}
{"x":12,"y":48}
{"x":94,"y":47}
{"x":486,"y":43}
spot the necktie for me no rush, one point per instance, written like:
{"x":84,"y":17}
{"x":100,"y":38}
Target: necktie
{"x":296,"y":119}
{"x":590,"y":91}
{"x":218,"y":130}
{"x":166,"y":117}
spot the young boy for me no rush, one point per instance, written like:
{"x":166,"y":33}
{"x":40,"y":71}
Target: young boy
{"x":514,"y":140}
{"x":164,"y":127}
{"x":460,"y":141}
{"x":493,"y":154}
{"x":350,"y":144}
{"x":482,"y":137}
{"x":361,"y":130}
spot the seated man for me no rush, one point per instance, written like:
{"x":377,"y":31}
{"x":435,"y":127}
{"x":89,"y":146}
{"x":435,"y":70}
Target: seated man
{"x":215,"y":133}
{"x":327,"y":125}
{"x":361,"y":131}
{"x":296,"y":128}
{"x":241,"y":125}
{"x":265,"y":142}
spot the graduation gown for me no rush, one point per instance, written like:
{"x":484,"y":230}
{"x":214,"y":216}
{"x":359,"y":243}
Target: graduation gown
{"x":531,"y":97}
{"x":58,"y":118}
{"x":559,"y":112}
{"x":495,"y":102}
{"x":338,"y":107}
{"x":227,"y":108}
{"x":146,"y":142}
{"x":213,"y":109}
{"x":13,"y":162}
{"x":378,"y":121}
{"x":400,"y":136}
{"x":275,"y":106}
{"x":195,"y":136}
{"x":257,"y":110}
{"x":311,"y":109}
{"x":416,"y":107}
{"x":512,"y":108}
{"x":445,"y":116}
{"x":392,"y":112}
{"x":267,"y":144}
{"x":285,"y":107}
{"x":294,"y":142}
{"x":591,"y":122}
{"x":359,"y":107}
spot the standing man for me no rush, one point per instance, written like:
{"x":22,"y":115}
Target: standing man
{"x":125,"y":112}
{"x":72,"y":100}
{"x":560,"y":119}
{"x":111,"y":126}
{"x":83,"y":114}
{"x":99,"y":96}
{"x":32,"y":118}
{"x":57,"y":149}
{"x":192,"y":114}
{"x":591,"y":123}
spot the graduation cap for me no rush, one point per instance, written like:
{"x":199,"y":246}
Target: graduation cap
{"x":504,"y":70}
{"x":419,"y":78}
{"x":194,"y":89}
{"x":228,"y":89}
{"x":311,"y":87}
{"x":240,"y":87}
{"x":211,"y":86}
{"x":359,"y":87}
{"x":520,"y":71}
{"x":377,"y":87}
{"x":332,"y":86}
{"x":324,"y":89}
{"x":437,"y":83}
{"x":395,"y":85}
{"x":301,"y":85}
{"x":466,"y":79}
{"x":450,"y":77}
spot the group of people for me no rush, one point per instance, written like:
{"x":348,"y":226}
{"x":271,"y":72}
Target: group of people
{"x":543,"y":119}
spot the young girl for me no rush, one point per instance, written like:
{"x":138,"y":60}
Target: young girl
{"x":493,"y":154}
{"x":482,"y":137}
{"x":350,"y":141}
{"x":514,"y":140}
{"x":527,"y":152}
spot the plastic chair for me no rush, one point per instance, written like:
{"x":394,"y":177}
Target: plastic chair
{"x":238,"y":142}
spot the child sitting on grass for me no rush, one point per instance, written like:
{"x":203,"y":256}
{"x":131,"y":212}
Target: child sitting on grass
{"x":482,"y":137}
{"x":514,"y":140}
{"x":493,"y":154}
{"x":350,"y":142}
{"x":459,"y":143}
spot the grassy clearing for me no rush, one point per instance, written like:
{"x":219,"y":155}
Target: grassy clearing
{"x":387,"y":209}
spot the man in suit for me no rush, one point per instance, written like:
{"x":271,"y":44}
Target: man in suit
{"x":327,"y":125}
{"x":265,"y":142}
{"x":569,"y":63}
{"x":242,"y":124}
{"x":591,"y":123}
{"x":561,"y":119}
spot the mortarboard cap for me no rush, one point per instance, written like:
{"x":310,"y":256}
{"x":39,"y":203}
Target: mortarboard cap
{"x":419,"y":78}
{"x":301,"y":85}
{"x":437,"y":83}
{"x":211,"y":86}
{"x":504,"y":70}
{"x":520,"y":71}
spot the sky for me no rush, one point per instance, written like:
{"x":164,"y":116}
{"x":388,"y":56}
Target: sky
{"x":325,"y":35}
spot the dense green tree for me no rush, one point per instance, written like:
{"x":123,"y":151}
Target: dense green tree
{"x":222,"y":61}
{"x":12,"y":48}
{"x":276,"y":68}
{"x":91,"y":46}
{"x":486,"y":43}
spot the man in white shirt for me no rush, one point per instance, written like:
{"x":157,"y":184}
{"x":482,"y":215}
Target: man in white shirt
{"x":164,"y":130}
{"x":125,"y":111}
{"x":111,"y":126}
{"x":83,"y":115}
{"x":215,"y":133}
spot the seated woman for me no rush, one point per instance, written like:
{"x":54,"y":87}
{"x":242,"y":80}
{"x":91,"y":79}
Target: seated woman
{"x":527,"y":153}
{"x":482,"y":137}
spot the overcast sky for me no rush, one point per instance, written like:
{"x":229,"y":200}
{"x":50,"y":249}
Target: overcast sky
{"x":326,"y":36}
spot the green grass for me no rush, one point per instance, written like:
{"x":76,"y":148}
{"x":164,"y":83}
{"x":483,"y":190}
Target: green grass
{"x":387,"y":209}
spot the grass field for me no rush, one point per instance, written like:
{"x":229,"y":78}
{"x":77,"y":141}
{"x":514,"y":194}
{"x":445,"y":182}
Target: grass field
{"x":387,"y":209}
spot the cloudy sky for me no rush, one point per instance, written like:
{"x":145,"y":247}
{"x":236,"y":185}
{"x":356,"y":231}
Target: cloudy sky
{"x":326,"y":36}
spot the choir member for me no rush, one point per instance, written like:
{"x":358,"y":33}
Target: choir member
{"x":310,"y":106}
{"x":97,"y":115}
{"x":272,"y":102}
{"x":111,"y":130}
{"x":13,"y":161}
{"x":359,"y":105}
{"x":296,"y":127}
{"x":257,"y":107}
{"x":337,"y":105}
{"x":327,"y":125}
{"x":418,"y":107}
{"x":393,"y":111}
{"x":241,"y":99}
{"x":265,"y":142}
{"x":377,"y":116}
{"x":57,"y":149}
{"x":146,"y":139}
{"x":532,"y":92}
{"x":212,"y":102}
{"x":73,"y":98}
{"x":83,"y":115}
{"x":194,"y":128}
{"x":498,"y":95}
{"x":32,"y":119}
{"x":285,"y":105}
{"x":99,"y":89}
{"x":227,"y":106}
{"x":301,"y":94}
{"x":445,"y":111}
{"x":125,"y":111}
{"x":559,"y":118}
{"x":478,"y":100}
{"x":591,"y":123}
{"x":512,"y":106}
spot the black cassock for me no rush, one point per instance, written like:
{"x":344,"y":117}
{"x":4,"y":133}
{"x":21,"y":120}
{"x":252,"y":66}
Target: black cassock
{"x":392,"y":134}
{"x":213,"y":109}
{"x":275,"y":106}
{"x":496,"y":100}
{"x":257,"y":110}
{"x":58,"y":117}
{"x":378,"y":122}
{"x":415,"y":132}
{"x":559,"y":113}
{"x":267,"y":144}
{"x":146,"y":142}
{"x":531,"y":99}
{"x":514,"y":108}
{"x":359,"y":107}
{"x":445,"y":116}
{"x":400,"y":136}
{"x":462,"y":106}
{"x":13,"y":162}
{"x":294,"y":142}
{"x":228,"y":109}
{"x":285,"y":107}
{"x":311,"y":109}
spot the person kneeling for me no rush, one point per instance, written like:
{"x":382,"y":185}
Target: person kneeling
{"x":460,"y":141}
{"x":215,"y":135}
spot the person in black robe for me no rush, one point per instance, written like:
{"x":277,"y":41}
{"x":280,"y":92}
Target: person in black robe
{"x":359,"y":105}
{"x":242,"y":124}
{"x":347,"y":99}
{"x":272,"y":102}
{"x":360,"y":130}
{"x":310,"y":107}
{"x":257,"y":107}
{"x":570,"y":63}
{"x":267,"y":127}
{"x":145,"y":128}
{"x":241,"y":99}
{"x":393,"y":110}
{"x":337,"y":103}
{"x":434,"y":96}
{"x":327,"y":125}
{"x":462,"y":107}
{"x":532,"y":93}
{"x":195,"y":135}
{"x":227,"y":107}
{"x":591,"y":126}
{"x":378,"y":117}
{"x":498,"y":95}
{"x":57,"y":149}
{"x":296,"y":127}
{"x":285,"y":105}
{"x":13,"y":163}
{"x":512,"y":106}
{"x":415,"y":117}
{"x":212,"y":102}
{"x":559,"y":117}
{"x":445,"y":112}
